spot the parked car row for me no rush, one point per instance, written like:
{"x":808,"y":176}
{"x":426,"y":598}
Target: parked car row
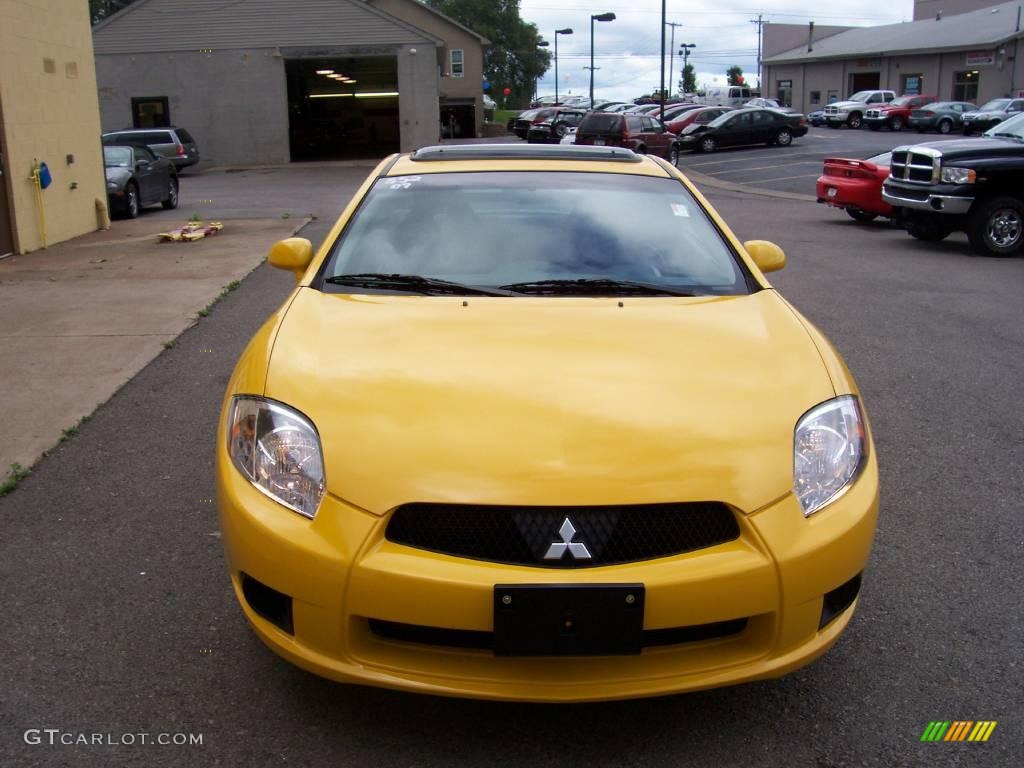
{"x":142,"y":166}
{"x":883,"y":109}
{"x":974,"y":185}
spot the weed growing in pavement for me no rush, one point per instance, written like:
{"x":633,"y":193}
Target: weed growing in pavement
{"x":168,"y":345}
{"x":15,"y":476}
{"x":205,"y":311}
{"x":67,"y":434}
{"x":286,"y":215}
{"x":195,"y":217}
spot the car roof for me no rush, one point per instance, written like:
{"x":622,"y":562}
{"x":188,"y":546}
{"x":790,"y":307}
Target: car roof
{"x":456,"y":158}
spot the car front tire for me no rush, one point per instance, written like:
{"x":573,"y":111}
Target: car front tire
{"x":131,"y":201}
{"x":784,"y":137}
{"x":708,"y":144}
{"x":946,"y":126}
{"x":673,"y":156}
{"x":997,"y":226}
{"x":896,"y":124}
{"x":855,"y":120}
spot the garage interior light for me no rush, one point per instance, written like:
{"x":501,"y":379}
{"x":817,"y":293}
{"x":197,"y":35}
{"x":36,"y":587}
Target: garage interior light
{"x":325,"y":71}
{"x":380,"y":95}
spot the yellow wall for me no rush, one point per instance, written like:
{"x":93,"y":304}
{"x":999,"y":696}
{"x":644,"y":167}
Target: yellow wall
{"x":49,"y":116}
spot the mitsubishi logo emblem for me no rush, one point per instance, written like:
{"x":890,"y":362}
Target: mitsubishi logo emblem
{"x":576,"y":549}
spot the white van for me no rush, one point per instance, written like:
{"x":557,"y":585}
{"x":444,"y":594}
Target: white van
{"x":726,"y":96}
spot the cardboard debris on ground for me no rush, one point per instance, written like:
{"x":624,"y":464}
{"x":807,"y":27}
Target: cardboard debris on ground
{"x":195,"y":230}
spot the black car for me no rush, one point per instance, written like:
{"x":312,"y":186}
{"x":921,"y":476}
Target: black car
{"x":137,"y":178}
{"x":972,"y":185}
{"x":525,"y":120}
{"x":743,"y":126}
{"x":551,"y":130}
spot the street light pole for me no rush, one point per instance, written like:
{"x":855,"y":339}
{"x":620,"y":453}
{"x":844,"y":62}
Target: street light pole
{"x":684,"y":51}
{"x":536,"y":88}
{"x":593,"y":18}
{"x":558,"y":32}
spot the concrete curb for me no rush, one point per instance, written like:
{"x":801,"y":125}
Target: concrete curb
{"x":709,"y":181}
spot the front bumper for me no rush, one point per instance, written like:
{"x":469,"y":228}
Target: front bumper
{"x":340,"y":573}
{"x":950,"y":200}
{"x":881,"y":120}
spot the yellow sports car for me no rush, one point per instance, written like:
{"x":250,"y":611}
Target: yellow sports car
{"x":533,"y":425}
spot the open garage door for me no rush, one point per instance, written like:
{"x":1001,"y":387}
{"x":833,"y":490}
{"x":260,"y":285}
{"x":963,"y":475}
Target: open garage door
{"x":342,"y":108}
{"x":864,"y":81}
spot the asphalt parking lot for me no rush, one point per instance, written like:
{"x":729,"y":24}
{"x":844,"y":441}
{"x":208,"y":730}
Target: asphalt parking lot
{"x":120,"y":618}
{"x":795,"y":168}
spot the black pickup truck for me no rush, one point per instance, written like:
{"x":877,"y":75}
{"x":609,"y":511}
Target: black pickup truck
{"x":973,"y":185}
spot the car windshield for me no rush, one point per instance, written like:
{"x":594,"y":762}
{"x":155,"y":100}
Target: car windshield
{"x":900,"y":101}
{"x":1008,"y":129}
{"x":861,"y":96}
{"x":996,"y":105}
{"x":117,"y":157}
{"x":722,"y":119}
{"x":505,"y":228}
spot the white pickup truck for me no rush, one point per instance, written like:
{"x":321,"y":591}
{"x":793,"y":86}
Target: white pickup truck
{"x":851,"y":112}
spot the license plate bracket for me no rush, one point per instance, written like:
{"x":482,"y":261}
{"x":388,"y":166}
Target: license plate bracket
{"x":568,"y":619}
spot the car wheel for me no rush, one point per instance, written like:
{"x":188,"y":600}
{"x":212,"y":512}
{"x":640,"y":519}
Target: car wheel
{"x":854,"y":120}
{"x":560,"y":129}
{"x":131,"y":201}
{"x":929,"y":229}
{"x":172,"y":195}
{"x":862,"y":216}
{"x":673,"y":156}
{"x":896,"y":124}
{"x":784,"y":137}
{"x":945,"y":126}
{"x":708,"y":144}
{"x":997,"y":226}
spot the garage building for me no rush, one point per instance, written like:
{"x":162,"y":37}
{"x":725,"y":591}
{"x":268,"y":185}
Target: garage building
{"x":973,"y":56}
{"x":264,"y":81}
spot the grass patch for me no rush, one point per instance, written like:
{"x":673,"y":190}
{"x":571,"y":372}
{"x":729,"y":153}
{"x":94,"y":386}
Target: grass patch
{"x":195,"y":217}
{"x":16,"y":474}
{"x":67,"y":434}
{"x":502,"y":115}
{"x":286,"y":215}
{"x":168,"y":345}
{"x":205,"y":311}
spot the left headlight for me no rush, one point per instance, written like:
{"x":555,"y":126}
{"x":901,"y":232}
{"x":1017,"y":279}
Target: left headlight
{"x":278,"y":450}
{"x":829,"y":450}
{"x":953,"y":175}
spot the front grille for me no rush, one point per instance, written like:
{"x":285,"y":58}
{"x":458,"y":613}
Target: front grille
{"x":831,"y":110}
{"x":917,"y":167}
{"x":872,"y":113}
{"x":524,"y":535}
{"x":469,"y":638}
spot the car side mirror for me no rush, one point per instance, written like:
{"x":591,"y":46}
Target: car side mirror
{"x":768,"y":256}
{"x":140,"y":164}
{"x":293,"y":254}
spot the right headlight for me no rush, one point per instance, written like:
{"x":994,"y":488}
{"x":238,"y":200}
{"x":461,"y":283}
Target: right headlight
{"x":829,"y":450}
{"x":278,"y":450}
{"x":953,"y":175}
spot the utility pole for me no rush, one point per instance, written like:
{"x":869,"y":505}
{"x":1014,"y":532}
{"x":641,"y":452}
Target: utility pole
{"x":671,"y":54}
{"x":760,"y":23}
{"x":661,"y":94}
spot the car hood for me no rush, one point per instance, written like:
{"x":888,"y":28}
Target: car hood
{"x":982,"y":146}
{"x":549,"y":400}
{"x":848,"y":104}
{"x":984,"y":115}
{"x":117,"y":175}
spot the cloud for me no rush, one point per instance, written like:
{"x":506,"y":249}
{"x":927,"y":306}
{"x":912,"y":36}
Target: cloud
{"x":627,"y":50}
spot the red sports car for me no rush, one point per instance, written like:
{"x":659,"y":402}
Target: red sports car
{"x":856,"y":186}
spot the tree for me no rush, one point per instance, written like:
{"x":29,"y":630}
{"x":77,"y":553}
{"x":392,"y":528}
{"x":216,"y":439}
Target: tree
{"x":513,"y":59}
{"x":735,"y":75}
{"x":100,"y":9}
{"x":688,"y":80}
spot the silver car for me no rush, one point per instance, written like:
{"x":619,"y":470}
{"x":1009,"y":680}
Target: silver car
{"x":176,"y":144}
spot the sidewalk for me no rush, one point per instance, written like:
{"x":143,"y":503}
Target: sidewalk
{"x":81,"y":318}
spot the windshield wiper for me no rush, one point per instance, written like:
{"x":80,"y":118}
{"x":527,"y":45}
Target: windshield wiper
{"x":417,"y":283}
{"x":596,"y":286}
{"x":1008,"y":136}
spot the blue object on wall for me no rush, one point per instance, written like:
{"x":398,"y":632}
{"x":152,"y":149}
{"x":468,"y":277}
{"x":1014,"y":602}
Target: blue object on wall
{"x":45,"y":179}
{"x":487,"y":86}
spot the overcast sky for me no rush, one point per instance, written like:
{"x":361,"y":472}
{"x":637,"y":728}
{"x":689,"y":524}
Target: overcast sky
{"x":627,"y":49}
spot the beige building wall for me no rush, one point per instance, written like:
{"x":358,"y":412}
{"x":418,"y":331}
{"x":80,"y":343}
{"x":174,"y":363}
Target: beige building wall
{"x":50,"y":112}
{"x":470,"y":85}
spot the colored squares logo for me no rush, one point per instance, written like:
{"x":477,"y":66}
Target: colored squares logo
{"x":958,"y":730}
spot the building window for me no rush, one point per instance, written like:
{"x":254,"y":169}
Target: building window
{"x":458,"y":65}
{"x":965,"y":85}
{"x":911,"y":85}
{"x":815,"y":97}
{"x":150,"y":112}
